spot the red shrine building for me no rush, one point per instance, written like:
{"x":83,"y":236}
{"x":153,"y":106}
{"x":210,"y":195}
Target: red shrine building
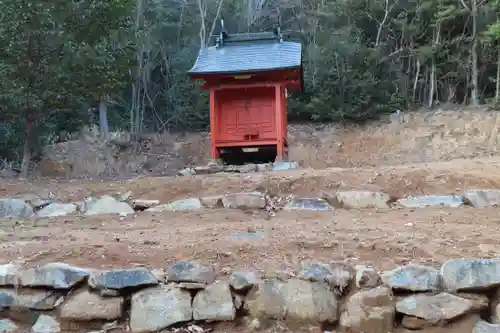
{"x":248,"y":77}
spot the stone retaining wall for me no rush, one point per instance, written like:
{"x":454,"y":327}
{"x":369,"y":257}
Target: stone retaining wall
{"x":33,"y":206}
{"x":61,"y":298}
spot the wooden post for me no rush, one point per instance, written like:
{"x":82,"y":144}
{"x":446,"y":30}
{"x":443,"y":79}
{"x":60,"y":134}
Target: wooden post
{"x":280,"y":147}
{"x":213,"y":129}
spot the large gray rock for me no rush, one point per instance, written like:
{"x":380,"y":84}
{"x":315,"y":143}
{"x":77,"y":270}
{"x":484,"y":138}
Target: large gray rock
{"x":243,"y":280}
{"x":215,"y":302}
{"x":252,"y":200}
{"x":57,"y":209}
{"x":85,"y":305}
{"x":155,"y":308}
{"x":296,"y":299}
{"x":36,"y":200}
{"x":267,"y":299}
{"x":453,"y":201}
{"x":313,"y":204}
{"x":53,"y":275}
{"x":485,"y":327}
{"x":46,"y":324}
{"x":362,"y":199}
{"x":369,"y":311}
{"x":9,"y":275}
{"x":470,"y":274}
{"x":179,"y":205}
{"x":7,"y":326}
{"x":34,"y":299}
{"x":310,"y":301}
{"x":413,"y":277}
{"x":107,"y":205}
{"x":482,"y":198}
{"x":337,"y":275}
{"x":15,"y":208}
{"x":284,"y":165}
{"x":436,"y":308}
{"x":6,"y":300}
{"x":367,"y":277}
{"x":122,"y":278}
{"x":190,"y":271}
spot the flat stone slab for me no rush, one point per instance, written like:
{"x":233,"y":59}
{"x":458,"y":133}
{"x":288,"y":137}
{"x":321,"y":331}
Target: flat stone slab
{"x":190,"y":271}
{"x":179,"y":205}
{"x":313,"y":204}
{"x":362,"y":199}
{"x":482,"y":198}
{"x":470,"y":274}
{"x":57,"y":209}
{"x":423,"y":201}
{"x":278,"y":166}
{"x":122,"y":278}
{"x":435,"y":308}
{"x":413,"y":277}
{"x":107,"y":205}
{"x":15,"y":208}
{"x":53,"y":275}
{"x":34,"y":299}
{"x":252,"y":200}
{"x":243,"y":280}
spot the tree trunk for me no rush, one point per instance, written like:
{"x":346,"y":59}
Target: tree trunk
{"x":497,"y":87}
{"x":432,"y":79}
{"x":474,"y":72}
{"x":415,"y":82}
{"x":27,"y":148}
{"x":103,"y":119}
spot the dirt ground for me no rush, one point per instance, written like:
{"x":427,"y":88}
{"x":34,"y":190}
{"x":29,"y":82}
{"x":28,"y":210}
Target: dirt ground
{"x":385,"y":237}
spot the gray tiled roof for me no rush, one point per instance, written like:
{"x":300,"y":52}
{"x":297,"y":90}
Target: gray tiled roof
{"x":241,"y":57}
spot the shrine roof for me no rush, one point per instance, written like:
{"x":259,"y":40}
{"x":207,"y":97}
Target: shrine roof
{"x":244,"y":53}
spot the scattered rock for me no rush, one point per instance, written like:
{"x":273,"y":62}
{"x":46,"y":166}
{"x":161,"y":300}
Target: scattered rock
{"x":337,"y":275}
{"x":155,"y":308}
{"x":253,"y":200}
{"x":215,"y":302}
{"x":143,"y":204}
{"x":7,"y":326}
{"x":190,"y":271}
{"x":53,"y":275}
{"x":485,"y":327}
{"x":85,"y":305}
{"x":413,"y":277}
{"x":453,"y":201}
{"x":435,"y":308}
{"x":369,"y":311}
{"x":57,"y":209}
{"x":243,"y":280}
{"x":267,"y":300}
{"x":470,"y":274}
{"x":482,"y":198}
{"x":278,"y":166}
{"x":122,"y":278}
{"x":33,"y":299}
{"x":413,"y":323}
{"x":179,"y":205}
{"x":309,"y":301}
{"x":212,"y":202}
{"x":315,"y":204}
{"x":8,"y":275}
{"x":15,"y":208}
{"x":46,"y":324}
{"x":362,"y":199}
{"x":367,"y":277}
{"x":107,"y":205}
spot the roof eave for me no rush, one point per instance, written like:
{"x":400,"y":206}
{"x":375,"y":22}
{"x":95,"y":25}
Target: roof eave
{"x":192,"y":73}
